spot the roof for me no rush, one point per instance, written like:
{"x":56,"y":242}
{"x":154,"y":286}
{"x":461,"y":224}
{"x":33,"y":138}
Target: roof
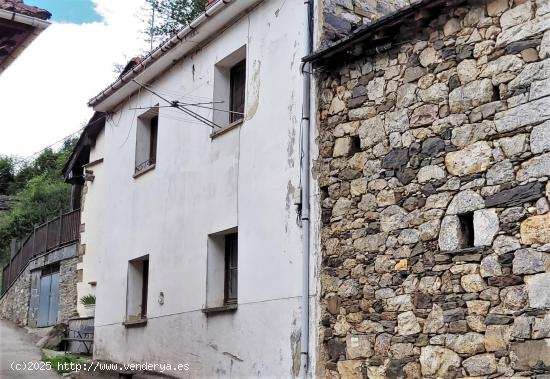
{"x":20,"y":24}
{"x":217,"y":14}
{"x":381,"y":32}
{"x":17,"y":6}
{"x":81,"y":152}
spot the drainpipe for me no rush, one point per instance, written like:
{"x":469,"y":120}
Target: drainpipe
{"x":305,"y":172}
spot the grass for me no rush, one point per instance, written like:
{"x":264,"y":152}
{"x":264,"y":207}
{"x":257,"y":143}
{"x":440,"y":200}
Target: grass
{"x":62,"y":363}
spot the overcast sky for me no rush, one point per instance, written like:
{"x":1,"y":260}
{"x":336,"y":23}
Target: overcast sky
{"x":43,"y":94}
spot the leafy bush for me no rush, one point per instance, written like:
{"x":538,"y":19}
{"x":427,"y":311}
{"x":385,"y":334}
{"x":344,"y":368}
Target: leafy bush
{"x":87,"y":299}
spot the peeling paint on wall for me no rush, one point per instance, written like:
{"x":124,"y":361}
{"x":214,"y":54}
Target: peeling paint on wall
{"x":295,"y":342}
{"x":253,"y":91}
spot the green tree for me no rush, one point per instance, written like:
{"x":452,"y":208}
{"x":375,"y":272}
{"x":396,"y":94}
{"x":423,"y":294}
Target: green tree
{"x":169,"y":16}
{"x":40,"y":193}
{"x":7,"y":175}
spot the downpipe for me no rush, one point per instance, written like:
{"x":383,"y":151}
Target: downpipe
{"x":305,"y":200}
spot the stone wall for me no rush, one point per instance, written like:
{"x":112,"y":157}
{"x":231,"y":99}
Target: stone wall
{"x":20,"y":303}
{"x":14,"y":305}
{"x":67,"y":289}
{"x":340,"y":17}
{"x":434,"y":165}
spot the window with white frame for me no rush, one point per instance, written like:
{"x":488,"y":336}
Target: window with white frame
{"x":230,"y":88}
{"x":146,"y":140}
{"x":223,"y":269}
{"x":137,"y":290}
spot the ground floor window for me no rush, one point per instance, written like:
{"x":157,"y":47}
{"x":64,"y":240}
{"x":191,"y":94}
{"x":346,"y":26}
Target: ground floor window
{"x":138,"y":283}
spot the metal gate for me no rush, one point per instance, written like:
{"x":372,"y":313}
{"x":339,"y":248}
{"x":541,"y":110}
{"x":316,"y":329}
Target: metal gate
{"x":48,"y":303}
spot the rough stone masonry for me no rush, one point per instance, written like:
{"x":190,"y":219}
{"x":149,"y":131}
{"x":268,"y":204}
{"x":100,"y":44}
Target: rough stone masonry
{"x":434,"y":166}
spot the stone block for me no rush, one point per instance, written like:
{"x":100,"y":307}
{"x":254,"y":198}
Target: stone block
{"x":500,"y":172}
{"x":472,"y":283}
{"x":537,"y":290}
{"x":470,"y":160}
{"x":371,"y":132}
{"x":531,"y":73}
{"x":497,"y":337}
{"x":536,"y":230}
{"x":342,"y":147}
{"x":523,"y":31}
{"x":358,"y":346}
{"x":540,"y":135}
{"x":407,"y":324}
{"x":450,"y":234}
{"x":469,"y":343}
{"x":479,"y":365}
{"x":517,"y":15}
{"x":530,"y":354}
{"x":437,"y":361}
{"x":530,"y":261}
{"x":525,"y":114}
{"x":350,"y":369}
{"x":464,"y":202}
{"x":496,"y":7}
{"x":535,"y":168}
{"x":485,"y":227}
{"x":515,"y":196}
{"x":470,"y":95}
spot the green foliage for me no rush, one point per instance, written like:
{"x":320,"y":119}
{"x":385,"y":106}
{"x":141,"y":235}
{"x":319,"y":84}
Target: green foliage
{"x":62,"y":363}
{"x":40,"y":193}
{"x":87,"y":299}
{"x":172,"y":15}
{"x":7,"y":175}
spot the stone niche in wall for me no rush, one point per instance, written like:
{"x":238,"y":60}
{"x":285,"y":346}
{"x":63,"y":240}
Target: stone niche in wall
{"x":433,"y":170}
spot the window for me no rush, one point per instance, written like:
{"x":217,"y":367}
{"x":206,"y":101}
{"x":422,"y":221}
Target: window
{"x":230,"y":88}
{"x":231,"y":268}
{"x":236,"y":93}
{"x":146,"y":140}
{"x":138,"y":283}
{"x":467,"y":229}
{"x":222,"y":275}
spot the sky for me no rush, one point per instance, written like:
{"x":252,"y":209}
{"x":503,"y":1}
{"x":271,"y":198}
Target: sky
{"x":43,"y":94}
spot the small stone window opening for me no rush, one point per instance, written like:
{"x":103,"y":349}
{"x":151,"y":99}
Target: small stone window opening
{"x":355,"y":144}
{"x":467,"y":229}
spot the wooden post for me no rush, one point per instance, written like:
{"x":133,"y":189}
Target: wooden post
{"x":33,"y":238}
{"x":13,"y":251}
{"x":60,"y":228}
{"x":47,"y":232}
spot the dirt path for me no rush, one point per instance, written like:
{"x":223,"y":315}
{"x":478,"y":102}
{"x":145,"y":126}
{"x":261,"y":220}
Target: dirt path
{"x":17,"y":349}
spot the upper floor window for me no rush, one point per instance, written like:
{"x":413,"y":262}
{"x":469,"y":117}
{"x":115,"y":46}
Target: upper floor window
{"x":230,"y":88}
{"x":236,"y":95}
{"x":146,"y":141}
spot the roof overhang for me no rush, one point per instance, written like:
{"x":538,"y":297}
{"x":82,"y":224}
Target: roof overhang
{"x":17,"y":32}
{"x":81,"y":152}
{"x":192,"y":37}
{"x":377,"y":36}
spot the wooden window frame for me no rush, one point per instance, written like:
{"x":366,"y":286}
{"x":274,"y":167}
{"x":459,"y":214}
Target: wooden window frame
{"x":153,"y":127}
{"x":237,"y":87}
{"x":231,"y":271}
{"x":144,"y":287}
